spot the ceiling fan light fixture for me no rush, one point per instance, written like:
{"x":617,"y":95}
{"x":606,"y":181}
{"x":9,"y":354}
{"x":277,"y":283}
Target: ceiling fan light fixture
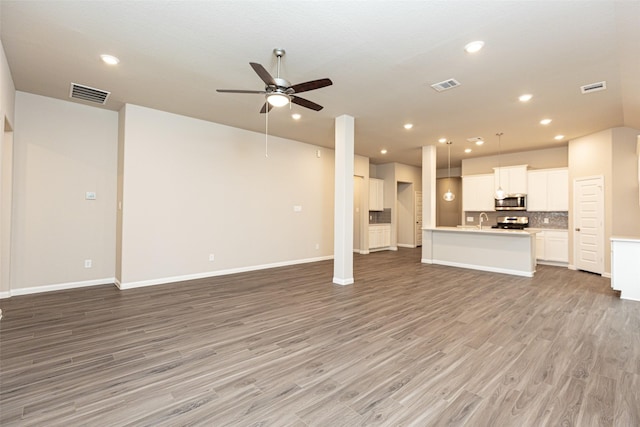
{"x":277,"y":99}
{"x":474,"y":46}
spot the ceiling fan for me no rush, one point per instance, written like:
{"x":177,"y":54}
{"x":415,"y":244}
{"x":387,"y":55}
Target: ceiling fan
{"x":278,"y":91}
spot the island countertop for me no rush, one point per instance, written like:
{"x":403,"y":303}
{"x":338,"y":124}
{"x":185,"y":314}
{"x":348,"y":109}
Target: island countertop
{"x":487,"y":249}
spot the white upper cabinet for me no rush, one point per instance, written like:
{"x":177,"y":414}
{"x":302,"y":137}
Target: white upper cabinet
{"x":376,"y":194}
{"x":478,"y":193}
{"x":548,"y":190}
{"x":512,"y":179}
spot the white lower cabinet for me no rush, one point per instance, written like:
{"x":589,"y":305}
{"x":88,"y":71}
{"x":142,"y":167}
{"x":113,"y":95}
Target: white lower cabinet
{"x":379,"y":236}
{"x":552,"y":245}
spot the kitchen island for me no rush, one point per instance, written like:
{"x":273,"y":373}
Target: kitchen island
{"x":487,"y":249}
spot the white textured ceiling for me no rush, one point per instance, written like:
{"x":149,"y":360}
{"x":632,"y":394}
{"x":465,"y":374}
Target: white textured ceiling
{"x":381,"y":55}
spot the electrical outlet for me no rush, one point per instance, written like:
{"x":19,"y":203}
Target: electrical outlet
{"x":90,"y":195}
{"x":317,"y":245}
{"x":469,"y":219}
{"x":88,"y":263}
{"x":212,"y":257}
{"x":545,"y":221}
{"x":297,"y":208}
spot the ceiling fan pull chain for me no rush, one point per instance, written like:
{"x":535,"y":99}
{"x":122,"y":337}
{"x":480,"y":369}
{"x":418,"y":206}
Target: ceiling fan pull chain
{"x":266,"y":133}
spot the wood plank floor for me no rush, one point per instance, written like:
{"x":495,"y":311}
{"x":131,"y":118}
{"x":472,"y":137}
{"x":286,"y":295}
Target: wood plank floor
{"x":408,"y":344}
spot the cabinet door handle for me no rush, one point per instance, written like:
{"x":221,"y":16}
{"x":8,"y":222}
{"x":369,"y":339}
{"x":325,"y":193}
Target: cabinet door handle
{"x":577,"y":229}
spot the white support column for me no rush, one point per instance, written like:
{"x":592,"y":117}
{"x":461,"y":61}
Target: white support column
{"x":428,"y":197}
{"x":343,"y":204}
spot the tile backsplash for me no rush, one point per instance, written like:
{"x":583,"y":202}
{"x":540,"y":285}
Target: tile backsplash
{"x":557,"y":220}
{"x":380,"y":217}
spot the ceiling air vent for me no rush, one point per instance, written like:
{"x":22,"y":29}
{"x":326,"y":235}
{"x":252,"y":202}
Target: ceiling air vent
{"x":90,"y":94}
{"x":475,"y":139}
{"x":446,"y":85}
{"x":593,"y":87}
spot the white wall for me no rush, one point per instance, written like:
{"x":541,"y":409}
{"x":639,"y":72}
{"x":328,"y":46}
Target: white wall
{"x":62,"y":150}
{"x":7,"y":112}
{"x":193,"y":188}
{"x":608,"y":153}
{"x":626,"y":206}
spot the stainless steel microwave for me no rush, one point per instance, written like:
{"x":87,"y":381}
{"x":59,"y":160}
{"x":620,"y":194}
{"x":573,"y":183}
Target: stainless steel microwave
{"x":512,"y":202}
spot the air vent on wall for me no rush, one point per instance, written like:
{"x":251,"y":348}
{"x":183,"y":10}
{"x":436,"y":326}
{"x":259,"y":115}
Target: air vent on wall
{"x":593,"y":87}
{"x":446,"y":85}
{"x":90,"y":94}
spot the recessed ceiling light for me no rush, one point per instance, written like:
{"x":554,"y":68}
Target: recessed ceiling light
{"x":468,"y":150}
{"x":296,"y":116}
{"x":559,"y":137}
{"x":526,"y":97}
{"x":109,"y":59}
{"x":408,"y":126}
{"x":442,"y":140}
{"x":480,"y":142}
{"x":545,"y":121}
{"x":474,"y":47}
{"x":383,"y":151}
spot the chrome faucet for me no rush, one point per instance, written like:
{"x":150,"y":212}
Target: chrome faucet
{"x":485,"y":216}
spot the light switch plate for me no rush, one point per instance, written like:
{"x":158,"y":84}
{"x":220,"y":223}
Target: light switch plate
{"x":469,"y":219}
{"x":90,"y":195}
{"x":297,"y":208}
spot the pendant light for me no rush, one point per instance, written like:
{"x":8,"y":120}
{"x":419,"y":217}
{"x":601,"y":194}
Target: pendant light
{"x":500,"y":194}
{"x":449,"y":196}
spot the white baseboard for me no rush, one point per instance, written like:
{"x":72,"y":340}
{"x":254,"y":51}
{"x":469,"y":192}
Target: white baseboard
{"x":607,"y":275}
{"x":343,"y":282}
{"x":4,"y":295}
{"x":165,"y":280}
{"x":572,"y":267}
{"x":552,"y":263}
{"x":404,"y":245}
{"x":58,"y":287}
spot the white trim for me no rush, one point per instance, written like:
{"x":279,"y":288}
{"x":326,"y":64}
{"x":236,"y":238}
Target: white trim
{"x":364,"y":252}
{"x":552,"y":263}
{"x":165,"y":280}
{"x":484,"y":268}
{"x":629,"y":299}
{"x":4,"y":295}
{"x":606,"y":275}
{"x":62,"y":286}
{"x":572,"y":267}
{"x":404,"y":245}
{"x":343,"y":282}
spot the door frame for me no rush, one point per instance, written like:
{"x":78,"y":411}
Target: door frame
{"x":601,"y":228}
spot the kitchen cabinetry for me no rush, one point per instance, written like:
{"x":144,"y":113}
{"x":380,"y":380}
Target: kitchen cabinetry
{"x":478,"y":193}
{"x":625,"y":270}
{"x":552,"y":246}
{"x":379,"y":236}
{"x":376,"y":194}
{"x":512,"y":179}
{"x":548,"y":190}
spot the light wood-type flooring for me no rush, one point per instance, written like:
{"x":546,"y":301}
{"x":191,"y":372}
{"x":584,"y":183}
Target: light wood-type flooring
{"x":407,"y":344}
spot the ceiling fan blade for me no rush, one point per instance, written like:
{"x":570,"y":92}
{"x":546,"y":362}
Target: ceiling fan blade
{"x":239,"y":91}
{"x":313,"y":84}
{"x":306,"y":103}
{"x":264,"y":108}
{"x":263,"y":74}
